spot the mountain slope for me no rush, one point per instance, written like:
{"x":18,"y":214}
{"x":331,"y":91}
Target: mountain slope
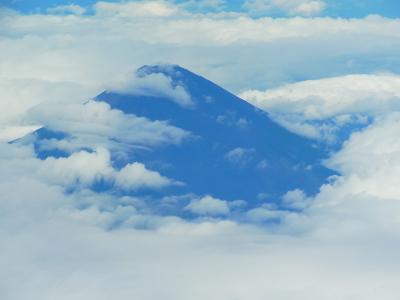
{"x":235,"y":151}
{"x":204,"y":139}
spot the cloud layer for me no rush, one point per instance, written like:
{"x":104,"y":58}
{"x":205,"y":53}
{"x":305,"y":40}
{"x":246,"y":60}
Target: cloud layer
{"x":292,"y":7}
{"x":63,"y":239}
{"x":320,"y":108}
{"x":76,"y":56}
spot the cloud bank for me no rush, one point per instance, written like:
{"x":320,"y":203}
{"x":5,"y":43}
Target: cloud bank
{"x":320,"y":108}
{"x":74,"y":56}
{"x":63,"y":239}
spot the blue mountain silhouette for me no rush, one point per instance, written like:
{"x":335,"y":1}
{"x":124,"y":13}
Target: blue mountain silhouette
{"x":235,"y":150}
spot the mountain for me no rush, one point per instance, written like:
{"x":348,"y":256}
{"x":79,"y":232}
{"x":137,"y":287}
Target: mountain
{"x":234,"y":152}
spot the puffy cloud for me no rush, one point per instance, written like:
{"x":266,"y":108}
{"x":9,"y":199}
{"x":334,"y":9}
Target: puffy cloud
{"x":291,"y":7}
{"x":370,"y":158}
{"x":372,"y":94}
{"x":95,"y":124}
{"x":319,"y":108}
{"x":334,"y":241}
{"x":309,"y":8}
{"x":85,"y":169}
{"x":296,"y":199}
{"x":136,"y":175}
{"x":208,"y":205}
{"x":363,"y":201}
{"x":81,"y":170}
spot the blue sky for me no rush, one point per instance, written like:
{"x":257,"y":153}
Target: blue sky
{"x":334,"y":8}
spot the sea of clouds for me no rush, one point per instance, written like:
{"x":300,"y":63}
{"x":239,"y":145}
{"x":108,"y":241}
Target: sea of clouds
{"x":62,"y":240}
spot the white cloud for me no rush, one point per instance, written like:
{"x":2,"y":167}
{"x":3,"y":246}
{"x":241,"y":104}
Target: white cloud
{"x":329,"y":97}
{"x":371,"y":158}
{"x":156,"y":85}
{"x":309,"y":8}
{"x":296,"y":199}
{"x":240,"y":156}
{"x":329,"y":251}
{"x":67,"y":9}
{"x":263,"y":214}
{"x":291,"y":7}
{"x":83,"y":169}
{"x":208,"y":206}
{"x":95,"y":124}
{"x":364,"y":200}
{"x":136,"y":175}
{"x":136,"y":9}
{"x":10,"y":133}
{"x":77,"y":56}
{"x":341,"y":100}
{"x":18,"y":96}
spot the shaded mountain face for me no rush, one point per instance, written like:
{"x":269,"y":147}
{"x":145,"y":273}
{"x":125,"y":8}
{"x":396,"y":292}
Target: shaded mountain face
{"x":232,"y":150}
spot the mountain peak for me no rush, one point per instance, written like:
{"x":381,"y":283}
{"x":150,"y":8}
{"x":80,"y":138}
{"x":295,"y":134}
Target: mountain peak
{"x":170,"y":70}
{"x":231,"y":139}
{"x":231,"y":149}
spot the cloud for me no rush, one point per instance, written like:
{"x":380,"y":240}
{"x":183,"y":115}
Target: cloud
{"x":240,"y":156}
{"x":67,"y":9}
{"x":83,"y":169}
{"x":136,"y":9}
{"x":95,"y":124}
{"x":80,"y":168}
{"x":291,"y":7}
{"x":320,"y":108}
{"x":102,"y":253}
{"x":21,"y":95}
{"x":9,"y":133}
{"x":76,"y":57}
{"x":84,"y":244}
{"x":363,"y":200}
{"x":296,"y":199}
{"x":136,"y":175}
{"x":372,"y":94}
{"x":263,"y":214}
{"x":208,"y":205}
{"x":309,"y":8}
{"x":154,"y":85}
{"x":370,"y":158}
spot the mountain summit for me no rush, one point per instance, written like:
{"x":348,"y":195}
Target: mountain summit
{"x":214,"y":143}
{"x":236,"y":150}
